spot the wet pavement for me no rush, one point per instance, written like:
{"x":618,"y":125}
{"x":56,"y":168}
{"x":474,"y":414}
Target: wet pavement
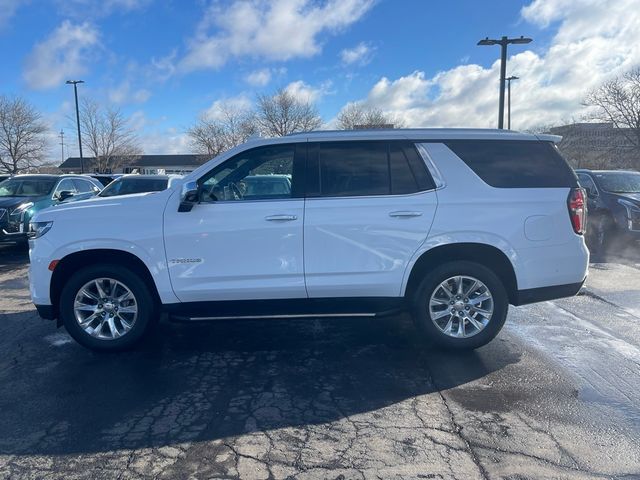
{"x":556,"y":395}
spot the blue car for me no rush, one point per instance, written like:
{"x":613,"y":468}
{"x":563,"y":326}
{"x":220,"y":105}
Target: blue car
{"x":23,"y":195}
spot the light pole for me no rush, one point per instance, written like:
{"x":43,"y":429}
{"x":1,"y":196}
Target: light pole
{"x":61,"y":135}
{"x":508,"y":79}
{"x":75,"y":91}
{"x":503,"y":42}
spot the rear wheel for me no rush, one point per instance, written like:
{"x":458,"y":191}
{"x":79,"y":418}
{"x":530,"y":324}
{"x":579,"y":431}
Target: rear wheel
{"x":460,"y":305}
{"x":106,"y":307}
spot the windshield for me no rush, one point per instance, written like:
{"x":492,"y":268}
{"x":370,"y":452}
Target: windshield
{"x":26,"y":187}
{"x":127,"y":186}
{"x":619,"y":182}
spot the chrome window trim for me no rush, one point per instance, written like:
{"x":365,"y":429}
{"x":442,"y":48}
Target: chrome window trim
{"x":438,"y":179}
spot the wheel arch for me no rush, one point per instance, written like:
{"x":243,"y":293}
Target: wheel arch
{"x":73,"y":262}
{"x":481,"y":253}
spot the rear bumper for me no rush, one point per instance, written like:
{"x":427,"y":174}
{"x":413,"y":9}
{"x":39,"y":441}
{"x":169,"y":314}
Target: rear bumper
{"x":542,"y":294}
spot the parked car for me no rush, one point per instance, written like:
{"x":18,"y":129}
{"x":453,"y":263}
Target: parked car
{"x":128,"y":184}
{"x":24,"y":195}
{"x":450,"y":225}
{"x":614,"y":206}
{"x":105,"y":178}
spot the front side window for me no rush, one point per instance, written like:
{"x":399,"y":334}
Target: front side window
{"x":265,"y":173}
{"x":587,"y":182}
{"x":65,"y":185}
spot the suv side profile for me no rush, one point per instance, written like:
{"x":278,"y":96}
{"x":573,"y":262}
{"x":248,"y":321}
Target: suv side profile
{"x":613,"y":201}
{"x":452,"y":225}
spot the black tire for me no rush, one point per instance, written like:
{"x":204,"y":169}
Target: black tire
{"x":599,"y":236}
{"x":422,"y":316}
{"x":146,"y":306}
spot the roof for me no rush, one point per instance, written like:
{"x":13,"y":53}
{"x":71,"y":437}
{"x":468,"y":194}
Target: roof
{"x":47,"y":176}
{"x":160,"y":161}
{"x":418,"y":133}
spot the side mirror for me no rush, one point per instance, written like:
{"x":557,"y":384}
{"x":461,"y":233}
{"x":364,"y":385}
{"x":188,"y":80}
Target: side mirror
{"x":64,"y":195}
{"x":189,"y":196}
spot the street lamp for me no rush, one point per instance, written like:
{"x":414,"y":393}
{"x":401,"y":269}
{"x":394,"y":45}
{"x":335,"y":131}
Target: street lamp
{"x":503,"y":42}
{"x":75,"y":91}
{"x":508,"y":79}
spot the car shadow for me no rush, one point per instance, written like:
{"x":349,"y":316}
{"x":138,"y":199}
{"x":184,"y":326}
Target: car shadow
{"x":212,"y":381}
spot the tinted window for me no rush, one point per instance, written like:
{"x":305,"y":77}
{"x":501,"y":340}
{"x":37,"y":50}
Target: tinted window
{"x":65,"y":185}
{"x":84,"y":186}
{"x":339,"y":169}
{"x":587,"y":182}
{"x":264,"y":173}
{"x":353,"y":169}
{"x":515,"y":163}
{"x":127,"y":186}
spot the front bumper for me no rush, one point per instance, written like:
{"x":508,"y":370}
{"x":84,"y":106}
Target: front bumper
{"x":48,"y":312}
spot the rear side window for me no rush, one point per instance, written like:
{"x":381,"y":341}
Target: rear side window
{"x":515,"y":163}
{"x":351,"y":169}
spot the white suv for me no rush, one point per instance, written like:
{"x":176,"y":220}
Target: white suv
{"x":451,"y":225}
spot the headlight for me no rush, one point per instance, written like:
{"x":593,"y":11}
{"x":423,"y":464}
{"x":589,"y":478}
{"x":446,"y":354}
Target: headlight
{"x":38,"y":229}
{"x":21,"y":210}
{"x":633,"y":214}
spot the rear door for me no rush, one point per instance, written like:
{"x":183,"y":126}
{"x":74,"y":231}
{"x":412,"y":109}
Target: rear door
{"x":369,"y":206}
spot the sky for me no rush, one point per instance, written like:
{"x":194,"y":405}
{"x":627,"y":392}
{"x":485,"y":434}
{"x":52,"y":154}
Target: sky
{"x":165,"y":63}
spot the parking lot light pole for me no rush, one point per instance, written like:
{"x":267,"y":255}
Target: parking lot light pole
{"x":512,"y":77}
{"x":503,"y":42}
{"x":75,"y":91}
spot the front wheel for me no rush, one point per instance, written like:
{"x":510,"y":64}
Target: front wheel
{"x":106,"y":307}
{"x":460,"y":305}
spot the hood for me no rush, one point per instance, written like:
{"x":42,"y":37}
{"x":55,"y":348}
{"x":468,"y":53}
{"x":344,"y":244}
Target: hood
{"x":12,"y":202}
{"x":118,"y":207}
{"x":629,"y":197}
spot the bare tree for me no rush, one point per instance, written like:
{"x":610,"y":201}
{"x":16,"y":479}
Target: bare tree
{"x":356,"y":115}
{"x":618,"y":102}
{"x":227,"y":127}
{"x":106,"y":133}
{"x":283,"y":113}
{"x":23,"y":141}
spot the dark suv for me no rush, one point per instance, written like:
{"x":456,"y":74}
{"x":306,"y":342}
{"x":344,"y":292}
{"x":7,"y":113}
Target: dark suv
{"x":613,"y":204}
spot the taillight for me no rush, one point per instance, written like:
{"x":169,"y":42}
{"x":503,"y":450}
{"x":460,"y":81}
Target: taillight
{"x":578,"y":210}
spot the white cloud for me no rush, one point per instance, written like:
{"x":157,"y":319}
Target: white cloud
{"x":267,"y":29}
{"x":239,"y":103}
{"x":259,"y":78}
{"x":98,"y":8}
{"x":360,"y":54}
{"x":307,"y":93}
{"x":7,"y":9}
{"x":123,"y":93}
{"x":64,"y":54}
{"x":595,"y":40}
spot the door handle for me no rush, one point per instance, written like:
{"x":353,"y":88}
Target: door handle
{"x":281,"y":218}
{"x":404,"y":213}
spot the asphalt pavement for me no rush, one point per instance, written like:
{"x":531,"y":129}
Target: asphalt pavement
{"x":556,"y":395}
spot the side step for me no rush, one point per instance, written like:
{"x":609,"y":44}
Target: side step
{"x":284,"y":309}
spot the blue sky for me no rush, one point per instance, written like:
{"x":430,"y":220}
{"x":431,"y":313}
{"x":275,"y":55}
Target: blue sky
{"x":166,"y":62}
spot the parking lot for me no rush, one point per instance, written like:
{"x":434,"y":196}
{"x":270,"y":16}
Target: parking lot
{"x":556,"y":395}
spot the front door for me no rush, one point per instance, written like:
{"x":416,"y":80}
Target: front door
{"x":244,"y":239}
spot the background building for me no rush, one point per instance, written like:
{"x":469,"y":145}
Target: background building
{"x":144,"y":164}
{"x":597,"y":145}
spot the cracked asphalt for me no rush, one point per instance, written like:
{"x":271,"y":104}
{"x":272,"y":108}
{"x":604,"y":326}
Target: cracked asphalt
{"x":555,"y":396}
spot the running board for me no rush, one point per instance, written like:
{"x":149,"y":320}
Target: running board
{"x":178,"y":318}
